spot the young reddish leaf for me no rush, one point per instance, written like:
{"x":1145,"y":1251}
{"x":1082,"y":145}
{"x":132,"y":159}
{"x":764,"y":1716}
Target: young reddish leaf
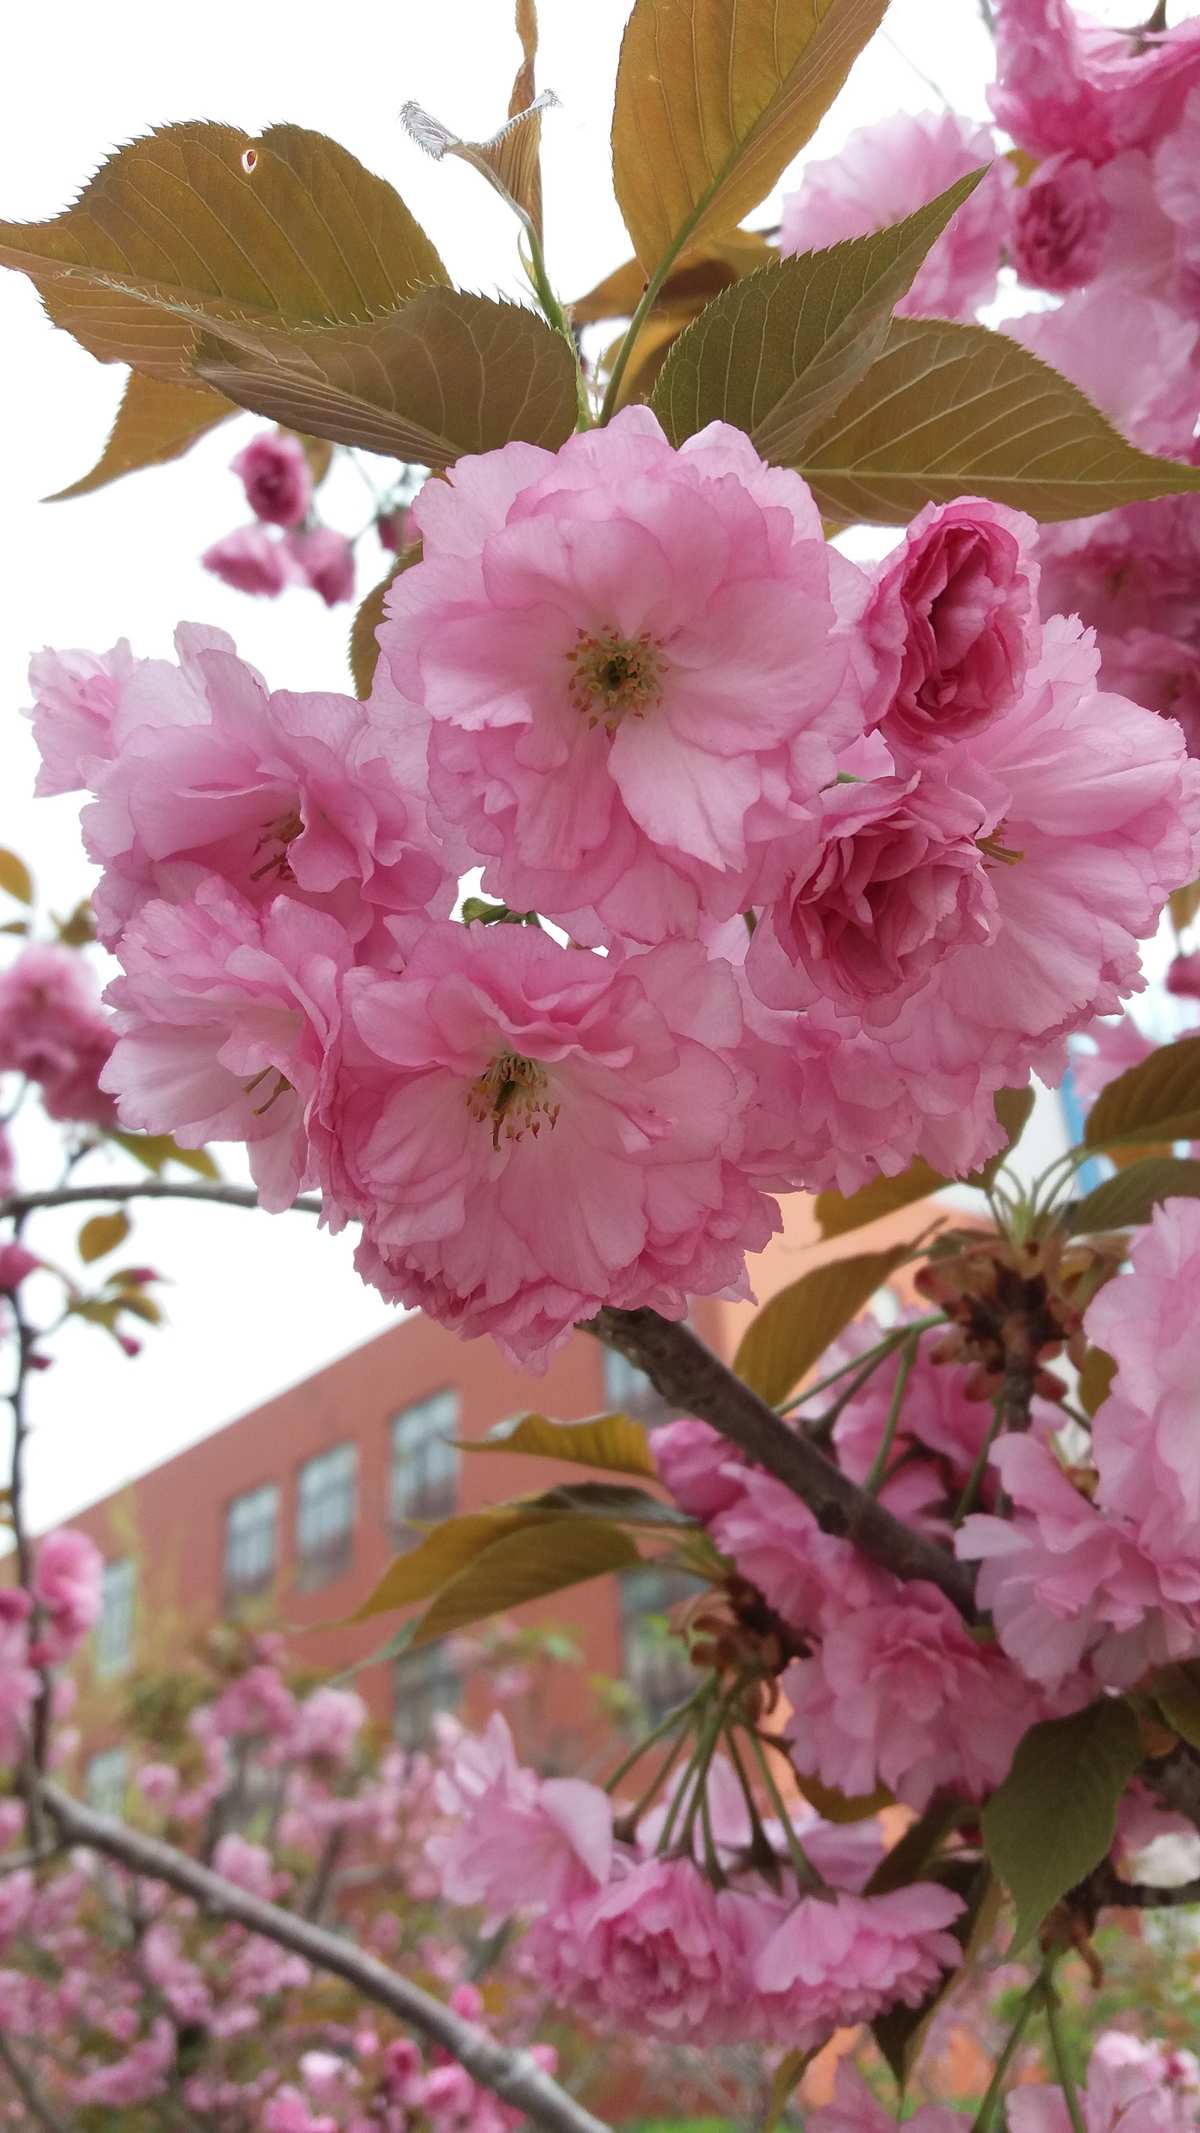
{"x":793,"y":1330}
{"x":15,"y":877}
{"x":527,"y":1564}
{"x":102,"y":1234}
{"x":615,"y":1442}
{"x":714,"y":98}
{"x":951,"y":410}
{"x":1158,"y":1100}
{"x":158,"y":420}
{"x":201,"y":224}
{"x":445,"y":374}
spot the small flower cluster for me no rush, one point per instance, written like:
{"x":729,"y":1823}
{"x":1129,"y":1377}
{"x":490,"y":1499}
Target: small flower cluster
{"x":43,"y":1626}
{"x":283,"y":544}
{"x":819,"y":841}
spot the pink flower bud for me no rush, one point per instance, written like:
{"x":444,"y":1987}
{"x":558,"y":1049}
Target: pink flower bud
{"x":324,"y":560}
{"x":276,"y":476}
{"x":251,"y":560}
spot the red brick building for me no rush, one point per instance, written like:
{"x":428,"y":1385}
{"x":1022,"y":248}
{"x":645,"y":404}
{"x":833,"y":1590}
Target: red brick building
{"x":300,"y":1505}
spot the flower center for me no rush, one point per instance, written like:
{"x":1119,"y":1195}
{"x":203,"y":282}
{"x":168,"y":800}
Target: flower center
{"x":274,"y":842}
{"x":612,"y":675}
{"x":281,"y":1088}
{"x":513,"y":1094}
{"x":994,"y":847}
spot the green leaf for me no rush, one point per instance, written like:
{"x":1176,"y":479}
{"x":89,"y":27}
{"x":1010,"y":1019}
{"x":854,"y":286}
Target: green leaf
{"x":1053,"y":1818}
{"x":838,"y":1214}
{"x":155,"y":1150}
{"x":526,"y":1564}
{"x":445,"y":1550}
{"x":834,"y":1806}
{"x":615,"y":1442}
{"x":909,"y":1859}
{"x":611,"y":1500}
{"x":101,"y":1234}
{"x":714,"y":98}
{"x":778,"y":350}
{"x":1176,"y":1691}
{"x":158,"y":420}
{"x":1133,"y":1194}
{"x":949,"y":410}
{"x":202,"y":224}
{"x":790,"y":2070}
{"x":794,"y":1329}
{"x":1156,"y":1100}
{"x":1095,"y":1379}
{"x":900,"y":2032}
{"x":446,"y":374}
{"x":364,"y":639}
{"x":15,"y":877}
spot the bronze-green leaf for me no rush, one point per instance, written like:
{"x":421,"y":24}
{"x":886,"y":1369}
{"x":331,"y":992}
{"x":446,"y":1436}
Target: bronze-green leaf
{"x":526,"y":1564}
{"x":708,"y":268}
{"x":446,"y":1549}
{"x":1133,"y":1194}
{"x":447,"y":373}
{"x":102,"y":1234}
{"x":15,"y":877}
{"x":839,"y":1213}
{"x":1053,"y":1817}
{"x":615,"y":1442}
{"x":1176,"y":1691}
{"x":364,"y":638}
{"x":155,"y":1150}
{"x":158,"y":420}
{"x":714,"y":98}
{"x":1156,"y":1100}
{"x":948,"y":410}
{"x":793,"y":1330}
{"x":199,"y":224}
{"x":776,"y":352}
{"x":1095,"y":1379}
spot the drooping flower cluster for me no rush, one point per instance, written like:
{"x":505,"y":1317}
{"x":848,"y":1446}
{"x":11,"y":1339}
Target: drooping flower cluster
{"x":637,"y":687}
{"x":1106,"y":1576}
{"x":275,"y":472}
{"x":43,"y":1626}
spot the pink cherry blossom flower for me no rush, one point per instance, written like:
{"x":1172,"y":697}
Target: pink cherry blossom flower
{"x":16,"y":1265}
{"x":1135,"y":356}
{"x":1183,"y":977}
{"x":940,"y":1433}
{"x":1117,"y":1045}
{"x":18,"y":1680}
{"x":275,"y":473}
{"x":1068,"y":83}
{"x":834,"y":1961}
{"x":76,"y":696}
{"x":516,"y":1842}
{"x":635,"y":669}
{"x":323,"y":560}
{"x":225,"y":1018}
{"x":496,"y":1064}
{"x":953,"y":623}
{"x":899,"y":1694}
{"x":896,"y":882}
{"x":1143,"y":1435}
{"x":856,"y":2109}
{"x":801,"y":1572}
{"x":1122,"y":2090}
{"x":256,"y":1705}
{"x":137,"y":2077}
{"x":52,"y":1030}
{"x":1159,"y":671}
{"x":327,"y":1728}
{"x":700,"y":1468}
{"x":252,"y":561}
{"x":889,"y":169}
{"x":277,"y":792}
{"x":657,"y":1952}
{"x":1059,"y":221}
{"x":66,"y":1587}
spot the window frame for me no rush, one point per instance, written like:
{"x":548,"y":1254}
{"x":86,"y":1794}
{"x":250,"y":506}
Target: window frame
{"x":437,"y":1417}
{"x":246,"y":1586}
{"x":326,"y":1554}
{"x":107,"y":1662}
{"x":438,"y":1685}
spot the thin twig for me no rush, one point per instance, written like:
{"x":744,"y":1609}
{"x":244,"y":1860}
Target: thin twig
{"x":512,"y":2075}
{"x":30,"y":2091}
{"x":692,"y":1378}
{"x":220,"y":1194}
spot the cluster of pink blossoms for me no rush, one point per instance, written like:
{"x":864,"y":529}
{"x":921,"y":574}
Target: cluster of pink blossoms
{"x":1100,"y":1571}
{"x":1135,"y":2086}
{"x":283,"y":544}
{"x":1105,"y":222}
{"x":640,"y":1941}
{"x":43,"y":1626}
{"x":837,"y":855}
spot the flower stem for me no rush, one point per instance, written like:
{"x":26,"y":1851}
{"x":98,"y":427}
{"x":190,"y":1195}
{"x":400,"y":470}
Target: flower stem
{"x":967,"y":1500}
{"x":908,"y":1356}
{"x":987,"y":2109}
{"x":1059,"y":2050}
{"x":673,"y":1718}
{"x":806,"y":1873}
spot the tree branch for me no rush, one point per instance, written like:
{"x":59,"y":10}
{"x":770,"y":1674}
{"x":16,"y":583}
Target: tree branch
{"x":512,"y":2075}
{"x":40,"y":2109}
{"x":692,"y":1378}
{"x":220,"y":1194}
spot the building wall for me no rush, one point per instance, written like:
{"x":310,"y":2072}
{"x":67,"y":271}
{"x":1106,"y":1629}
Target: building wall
{"x":171,"y":1523}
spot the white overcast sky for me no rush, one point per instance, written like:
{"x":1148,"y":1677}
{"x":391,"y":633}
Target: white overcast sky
{"x":260,"y":1302}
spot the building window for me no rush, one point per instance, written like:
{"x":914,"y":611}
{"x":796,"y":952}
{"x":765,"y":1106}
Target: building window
{"x":628,"y":1390}
{"x":325,"y":1516}
{"x":424,"y":1683}
{"x":656,"y":1664}
{"x":424,"y":1483}
{"x":114,"y":1630}
{"x":105,"y":1781}
{"x":251,"y":1540}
